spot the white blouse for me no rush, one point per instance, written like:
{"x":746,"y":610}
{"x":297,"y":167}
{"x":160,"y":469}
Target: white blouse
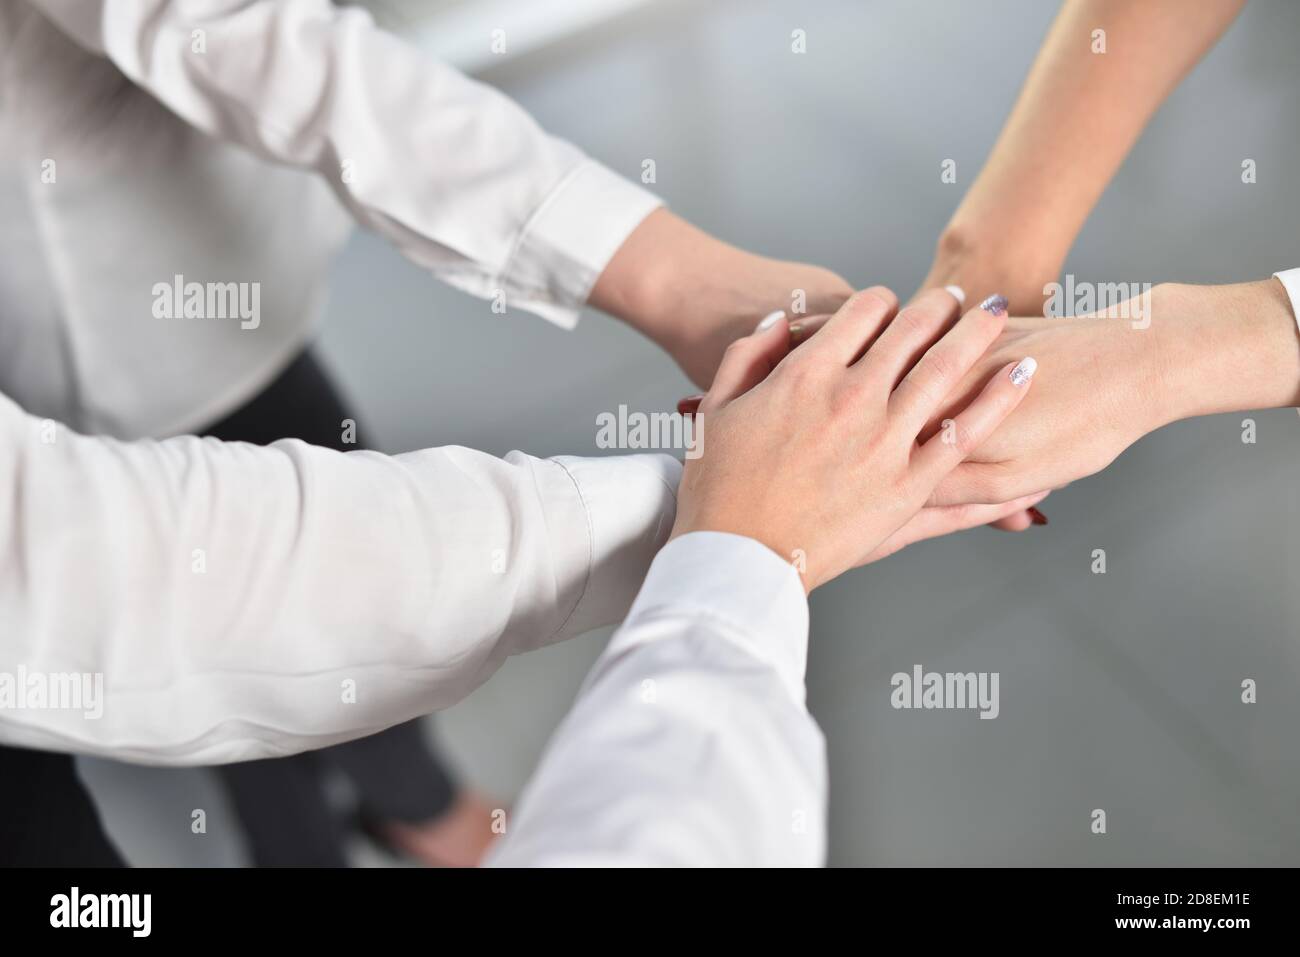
{"x":236,"y":142}
{"x":235,"y":602}
{"x":197,"y":602}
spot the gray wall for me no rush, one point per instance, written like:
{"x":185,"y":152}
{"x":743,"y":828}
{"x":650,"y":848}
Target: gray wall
{"x":1119,"y":691}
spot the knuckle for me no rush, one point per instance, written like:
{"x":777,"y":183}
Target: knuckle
{"x":848,"y":398}
{"x":909,"y":322}
{"x":883,"y":294}
{"x":865,"y":302}
{"x":801,"y":366}
{"x":939,"y":367}
{"x":923,"y":385}
{"x":965,"y":439}
{"x":919,"y":388}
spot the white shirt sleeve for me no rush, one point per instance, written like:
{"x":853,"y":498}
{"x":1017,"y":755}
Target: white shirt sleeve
{"x":451,"y":171}
{"x":1290,"y":280}
{"x":236,"y":602}
{"x":690,"y":743}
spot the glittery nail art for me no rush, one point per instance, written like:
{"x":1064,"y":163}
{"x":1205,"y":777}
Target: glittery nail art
{"x":1024,"y":370}
{"x":995,"y":304}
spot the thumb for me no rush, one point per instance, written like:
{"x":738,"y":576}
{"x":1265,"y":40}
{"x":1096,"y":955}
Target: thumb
{"x":797,"y":331}
{"x":747,"y":362}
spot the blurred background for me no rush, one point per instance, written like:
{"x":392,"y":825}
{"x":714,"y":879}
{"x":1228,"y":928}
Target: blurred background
{"x":1119,"y":691}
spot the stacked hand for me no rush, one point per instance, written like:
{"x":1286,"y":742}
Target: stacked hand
{"x":1108,"y":380}
{"x":815,"y":452}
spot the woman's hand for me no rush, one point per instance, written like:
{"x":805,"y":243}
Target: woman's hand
{"x":694,"y":295}
{"x":816,"y":454}
{"x":1179,"y":352}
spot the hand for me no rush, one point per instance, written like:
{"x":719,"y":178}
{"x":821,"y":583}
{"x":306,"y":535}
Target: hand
{"x":1014,"y":515}
{"x":1109,"y":381}
{"x":694,"y":295}
{"x":816,"y":453}
{"x":991,"y":265}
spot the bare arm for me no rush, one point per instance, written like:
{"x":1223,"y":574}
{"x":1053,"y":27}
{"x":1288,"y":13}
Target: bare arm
{"x":1078,"y":115}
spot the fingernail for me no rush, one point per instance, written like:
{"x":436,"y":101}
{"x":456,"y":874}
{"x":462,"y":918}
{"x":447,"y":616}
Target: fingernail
{"x":958,"y":293}
{"x":995,"y":304}
{"x":1024,"y":370}
{"x":1037,"y":517}
{"x":690,"y":405}
{"x":796,"y":332}
{"x":771,"y":319}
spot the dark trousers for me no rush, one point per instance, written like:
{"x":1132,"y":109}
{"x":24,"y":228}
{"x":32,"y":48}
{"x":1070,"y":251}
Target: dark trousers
{"x":47,"y":817}
{"x":281,"y":802}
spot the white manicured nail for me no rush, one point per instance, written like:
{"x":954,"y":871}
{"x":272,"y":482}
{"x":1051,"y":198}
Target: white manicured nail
{"x":958,"y":293}
{"x":771,"y":319}
{"x":1024,"y":370}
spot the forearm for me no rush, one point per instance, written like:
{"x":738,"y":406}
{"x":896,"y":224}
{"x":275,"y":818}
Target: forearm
{"x":453,"y":173}
{"x":1226,"y":348}
{"x":692,"y":294}
{"x":690,"y":743}
{"x":1078,"y":115}
{"x":242,"y":602}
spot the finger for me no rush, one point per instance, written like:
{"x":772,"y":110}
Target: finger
{"x":987,"y":482}
{"x":748,"y":361}
{"x":955,"y":291}
{"x":931,"y":522}
{"x":1019,"y":521}
{"x":910,"y":334}
{"x":924,"y":390}
{"x":802,"y":329}
{"x":958,"y":437}
{"x":857,"y":323}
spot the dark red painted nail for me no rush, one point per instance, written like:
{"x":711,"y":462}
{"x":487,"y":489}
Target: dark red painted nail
{"x":1038,"y":517}
{"x":689,"y":405}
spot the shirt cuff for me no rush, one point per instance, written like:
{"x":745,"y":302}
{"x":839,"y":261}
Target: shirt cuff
{"x":743,"y":586}
{"x":630,"y":503}
{"x":1290,"y":280}
{"x":571,"y":239}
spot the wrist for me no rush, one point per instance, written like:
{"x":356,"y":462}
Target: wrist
{"x":676,"y":284}
{"x":639,"y":277}
{"x":1227,"y":348}
{"x":985,"y":261}
{"x":693,"y":294}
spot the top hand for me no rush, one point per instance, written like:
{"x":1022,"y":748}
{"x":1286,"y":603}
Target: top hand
{"x":820,"y":458}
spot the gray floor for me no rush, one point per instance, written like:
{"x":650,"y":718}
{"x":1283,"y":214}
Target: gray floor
{"x":1120,"y":691}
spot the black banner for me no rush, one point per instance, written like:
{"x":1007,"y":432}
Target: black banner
{"x":335,"y":907}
